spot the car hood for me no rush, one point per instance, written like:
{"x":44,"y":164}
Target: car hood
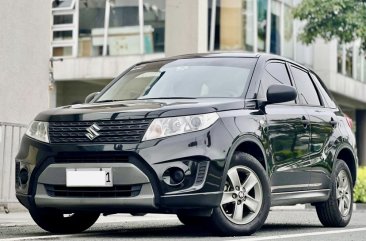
{"x":139,"y":109}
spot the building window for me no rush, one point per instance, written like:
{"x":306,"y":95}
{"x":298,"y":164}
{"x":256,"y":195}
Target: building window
{"x":109,"y":27}
{"x":91,"y":27}
{"x":262,"y":6}
{"x":275,"y":45}
{"x":154,"y":22}
{"x":349,"y":61}
{"x":288,"y":33}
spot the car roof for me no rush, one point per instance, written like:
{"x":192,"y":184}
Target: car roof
{"x":236,"y":54}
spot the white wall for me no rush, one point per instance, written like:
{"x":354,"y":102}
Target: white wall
{"x":24,"y":53}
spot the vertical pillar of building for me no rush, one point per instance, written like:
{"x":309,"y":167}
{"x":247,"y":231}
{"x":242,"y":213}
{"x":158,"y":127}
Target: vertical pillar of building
{"x":361,"y":136}
{"x":186,"y":26}
{"x":231,"y":24}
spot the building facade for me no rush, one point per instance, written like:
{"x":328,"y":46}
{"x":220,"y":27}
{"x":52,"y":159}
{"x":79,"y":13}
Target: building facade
{"x":95,"y":40}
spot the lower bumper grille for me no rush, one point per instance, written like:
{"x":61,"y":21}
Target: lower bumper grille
{"x":93,"y":192}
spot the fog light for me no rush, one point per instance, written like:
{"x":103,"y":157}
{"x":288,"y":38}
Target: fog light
{"x":23,"y":176}
{"x":173,"y":176}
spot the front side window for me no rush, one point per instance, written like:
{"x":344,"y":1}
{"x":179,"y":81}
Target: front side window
{"x":183,"y":78}
{"x":275,"y":74}
{"x":305,"y":87}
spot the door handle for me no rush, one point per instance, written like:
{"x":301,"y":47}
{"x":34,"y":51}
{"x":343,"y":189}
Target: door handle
{"x":333,"y":122}
{"x":305,"y":122}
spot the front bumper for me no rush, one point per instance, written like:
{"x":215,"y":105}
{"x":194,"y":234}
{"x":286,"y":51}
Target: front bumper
{"x":142,"y":165}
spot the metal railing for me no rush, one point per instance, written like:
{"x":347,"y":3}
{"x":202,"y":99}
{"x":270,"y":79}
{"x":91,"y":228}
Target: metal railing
{"x":10,"y":137}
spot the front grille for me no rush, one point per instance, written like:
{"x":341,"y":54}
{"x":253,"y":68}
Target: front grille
{"x":93,"y":192}
{"x":117,"y":131}
{"x":91,"y":157}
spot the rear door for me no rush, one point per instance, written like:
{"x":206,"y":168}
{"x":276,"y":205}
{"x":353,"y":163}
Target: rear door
{"x":288,"y":134}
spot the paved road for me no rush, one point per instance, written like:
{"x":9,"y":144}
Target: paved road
{"x":281,"y":225}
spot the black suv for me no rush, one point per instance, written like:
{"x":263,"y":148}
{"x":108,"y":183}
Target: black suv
{"x":215,"y":138}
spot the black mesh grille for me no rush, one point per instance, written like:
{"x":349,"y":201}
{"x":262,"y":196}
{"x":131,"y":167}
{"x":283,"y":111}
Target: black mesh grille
{"x":117,"y":131}
{"x":91,"y":157}
{"x":95,"y":192}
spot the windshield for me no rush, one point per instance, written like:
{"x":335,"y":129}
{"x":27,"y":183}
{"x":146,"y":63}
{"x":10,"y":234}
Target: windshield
{"x":183,"y":78}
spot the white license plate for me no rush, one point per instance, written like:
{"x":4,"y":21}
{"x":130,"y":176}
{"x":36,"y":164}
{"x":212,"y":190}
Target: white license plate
{"x":89,"y":177}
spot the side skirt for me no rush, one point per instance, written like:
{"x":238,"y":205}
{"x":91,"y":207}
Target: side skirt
{"x":300,"y":197}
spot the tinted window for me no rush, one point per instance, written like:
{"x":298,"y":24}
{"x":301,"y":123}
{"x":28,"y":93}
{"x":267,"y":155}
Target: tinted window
{"x":305,"y":87}
{"x":279,"y":72}
{"x":324,"y":92}
{"x":275,"y":74}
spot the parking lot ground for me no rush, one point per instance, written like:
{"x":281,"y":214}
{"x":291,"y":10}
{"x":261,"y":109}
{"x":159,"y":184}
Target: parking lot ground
{"x":281,"y":225}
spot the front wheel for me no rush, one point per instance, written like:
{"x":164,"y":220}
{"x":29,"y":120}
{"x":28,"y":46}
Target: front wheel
{"x":337,"y":210}
{"x":246,"y":198}
{"x":57,"y":222}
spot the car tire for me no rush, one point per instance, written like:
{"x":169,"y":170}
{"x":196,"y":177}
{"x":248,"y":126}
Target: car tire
{"x":56,"y":222}
{"x":243,"y":212}
{"x":337,"y":210}
{"x":190,"y":220}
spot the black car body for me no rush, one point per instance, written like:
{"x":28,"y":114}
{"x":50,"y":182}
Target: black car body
{"x":296,"y":142}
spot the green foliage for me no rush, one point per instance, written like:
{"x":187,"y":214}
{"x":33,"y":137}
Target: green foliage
{"x":360,"y":188}
{"x":329,"y":19}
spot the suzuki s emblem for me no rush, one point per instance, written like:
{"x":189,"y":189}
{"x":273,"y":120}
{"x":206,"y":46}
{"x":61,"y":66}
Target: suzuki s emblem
{"x":92,"y":131}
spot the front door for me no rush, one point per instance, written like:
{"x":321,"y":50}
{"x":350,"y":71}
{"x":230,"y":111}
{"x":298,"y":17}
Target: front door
{"x":288,"y":133}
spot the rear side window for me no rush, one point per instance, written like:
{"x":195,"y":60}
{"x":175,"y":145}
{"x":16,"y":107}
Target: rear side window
{"x":324,"y":92}
{"x":305,"y":87}
{"x":275,"y":74}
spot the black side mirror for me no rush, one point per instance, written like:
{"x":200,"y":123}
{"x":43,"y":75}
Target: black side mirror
{"x":90,"y":97}
{"x":280,"y":94}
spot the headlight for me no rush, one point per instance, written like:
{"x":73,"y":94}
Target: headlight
{"x":38,"y":130}
{"x":163,"y":127}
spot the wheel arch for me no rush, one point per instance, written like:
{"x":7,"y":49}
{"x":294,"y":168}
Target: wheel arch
{"x":346,"y":154}
{"x":249,"y":144}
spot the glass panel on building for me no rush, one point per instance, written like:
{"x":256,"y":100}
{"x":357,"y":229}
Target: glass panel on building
{"x":262,"y":24}
{"x":62,"y":51}
{"x":91,"y":27}
{"x":63,"y":19}
{"x":288,"y":50}
{"x":63,"y":4}
{"x":275,"y":45}
{"x":124,"y":29}
{"x":339,"y":57}
{"x":235,"y":25}
{"x":357,"y":62}
{"x":62,"y":35}
{"x":154,"y":20}
{"x":349,"y":61}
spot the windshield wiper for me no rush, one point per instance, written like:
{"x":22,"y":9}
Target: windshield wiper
{"x":105,"y":101}
{"x":169,"y":98}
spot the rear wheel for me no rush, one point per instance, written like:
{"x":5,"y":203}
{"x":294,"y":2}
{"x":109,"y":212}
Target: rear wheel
{"x":246,"y":199}
{"x":337,"y":210}
{"x":57,"y":222}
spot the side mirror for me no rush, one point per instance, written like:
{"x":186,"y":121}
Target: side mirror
{"x":280,"y":94}
{"x":90,"y":97}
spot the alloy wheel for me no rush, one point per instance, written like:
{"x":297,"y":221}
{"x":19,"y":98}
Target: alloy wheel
{"x":243,"y":196}
{"x":343,"y":193}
